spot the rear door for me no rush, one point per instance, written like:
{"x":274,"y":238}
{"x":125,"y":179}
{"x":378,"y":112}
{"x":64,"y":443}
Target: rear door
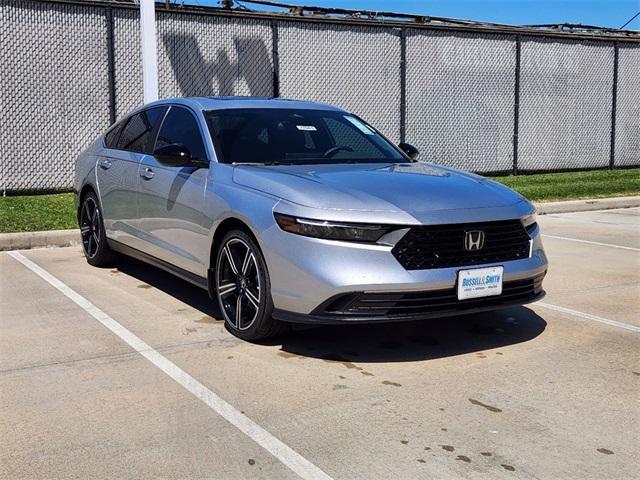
{"x":171,"y":199}
{"x":117,"y":173}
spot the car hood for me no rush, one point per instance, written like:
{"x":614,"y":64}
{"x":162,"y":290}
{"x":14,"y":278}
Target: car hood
{"x":401,"y":187}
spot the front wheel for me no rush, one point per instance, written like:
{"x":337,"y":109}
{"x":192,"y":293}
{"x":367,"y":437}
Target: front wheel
{"x":243,"y":288}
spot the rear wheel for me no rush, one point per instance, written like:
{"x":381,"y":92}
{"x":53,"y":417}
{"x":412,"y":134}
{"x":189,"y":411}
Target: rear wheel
{"x":243,"y":288}
{"x":94,"y":240}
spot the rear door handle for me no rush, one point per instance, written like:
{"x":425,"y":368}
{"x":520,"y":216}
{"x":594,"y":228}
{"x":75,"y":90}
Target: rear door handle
{"x":105,"y":164}
{"x":147,"y":173}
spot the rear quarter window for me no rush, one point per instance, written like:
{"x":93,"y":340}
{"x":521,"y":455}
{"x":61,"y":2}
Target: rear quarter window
{"x":111,"y":138}
{"x":136,"y":135}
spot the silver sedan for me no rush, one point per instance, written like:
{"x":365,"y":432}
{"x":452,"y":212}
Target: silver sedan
{"x":289,"y":211}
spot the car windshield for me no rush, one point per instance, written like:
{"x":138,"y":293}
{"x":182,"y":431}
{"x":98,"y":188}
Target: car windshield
{"x":274,"y":136}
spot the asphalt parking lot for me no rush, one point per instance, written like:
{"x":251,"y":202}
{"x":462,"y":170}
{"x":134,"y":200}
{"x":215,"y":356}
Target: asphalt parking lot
{"x":551,"y":390}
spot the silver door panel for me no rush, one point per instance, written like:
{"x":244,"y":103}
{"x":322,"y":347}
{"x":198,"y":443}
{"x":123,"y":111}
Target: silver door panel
{"x":117,"y":178}
{"x":170,"y":214}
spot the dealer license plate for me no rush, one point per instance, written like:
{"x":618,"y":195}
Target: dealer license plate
{"x":479,"y":282}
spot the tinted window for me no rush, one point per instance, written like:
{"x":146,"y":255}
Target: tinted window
{"x":136,"y":135}
{"x":343,"y":133}
{"x":180,"y":126}
{"x":286,"y":136}
{"x":111,"y":137}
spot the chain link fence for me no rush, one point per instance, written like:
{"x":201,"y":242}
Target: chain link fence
{"x":199,"y":54}
{"x":53,"y":91}
{"x":481,"y":101}
{"x":356,"y":68}
{"x":626,"y":140}
{"x":565,"y":104}
{"x":128,"y":61}
{"x":460,"y":99}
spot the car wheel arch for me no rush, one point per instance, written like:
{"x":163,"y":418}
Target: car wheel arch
{"x":225,"y":226}
{"x":83,"y":193}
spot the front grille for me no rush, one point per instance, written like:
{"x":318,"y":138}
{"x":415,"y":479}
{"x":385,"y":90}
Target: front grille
{"x":442,"y":246}
{"x":388,"y":305}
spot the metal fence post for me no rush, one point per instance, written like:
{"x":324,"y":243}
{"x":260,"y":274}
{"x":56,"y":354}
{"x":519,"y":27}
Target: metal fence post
{"x":111,"y":65}
{"x":516,"y":107}
{"x":403,"y":84}
{"x":276,"y":60}
{"x":614,"y":101}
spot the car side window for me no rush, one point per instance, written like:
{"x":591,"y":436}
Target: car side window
{"x":180,"y":126}
{"x":136,"y":135}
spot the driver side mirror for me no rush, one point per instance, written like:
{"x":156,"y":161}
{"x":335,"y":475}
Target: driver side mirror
{"x":409,"y":150}
{"x":177,"y":155}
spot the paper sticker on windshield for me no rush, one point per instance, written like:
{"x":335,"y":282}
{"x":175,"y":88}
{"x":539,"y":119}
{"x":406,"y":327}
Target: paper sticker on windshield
{"x":307,"y":128}
{"x":361,"y":126}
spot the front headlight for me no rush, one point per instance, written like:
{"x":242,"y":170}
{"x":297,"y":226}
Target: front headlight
{"x":529,"y":222}
{"x":366,"y":233}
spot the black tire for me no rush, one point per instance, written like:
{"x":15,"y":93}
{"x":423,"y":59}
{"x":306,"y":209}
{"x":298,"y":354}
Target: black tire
{"x":242,"y":280}
{"x":94,"y":241}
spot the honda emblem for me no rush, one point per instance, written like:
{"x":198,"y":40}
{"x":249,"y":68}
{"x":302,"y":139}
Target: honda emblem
{"x":473,"y":240}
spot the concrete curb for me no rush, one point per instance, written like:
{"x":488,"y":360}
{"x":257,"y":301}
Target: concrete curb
{"x":587,"y":205}
{"x":27,"y":240}
{"x":68,"y":238}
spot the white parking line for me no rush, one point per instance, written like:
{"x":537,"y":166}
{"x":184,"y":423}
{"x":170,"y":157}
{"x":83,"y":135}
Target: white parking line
{"x":592,"y":243}
{"x":588,"y":316}
{"x":285,"y":454}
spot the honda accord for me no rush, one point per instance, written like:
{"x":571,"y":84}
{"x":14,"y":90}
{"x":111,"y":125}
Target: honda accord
{"x":289,"y":211}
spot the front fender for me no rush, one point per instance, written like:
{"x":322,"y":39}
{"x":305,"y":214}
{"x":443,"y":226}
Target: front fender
{"x":228,"y":201}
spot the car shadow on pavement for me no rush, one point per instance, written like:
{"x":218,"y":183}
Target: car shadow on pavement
{"x":382,"y":342}
{"x":419,"y":340}
{"x":180,"y":289}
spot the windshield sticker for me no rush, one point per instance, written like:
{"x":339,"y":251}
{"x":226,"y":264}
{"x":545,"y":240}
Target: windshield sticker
{"x":307,"y":128}
{"x":361,"y":126}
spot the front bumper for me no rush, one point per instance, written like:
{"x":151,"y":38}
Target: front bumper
{"x":446,"y":307}
{"x":307,"y":273}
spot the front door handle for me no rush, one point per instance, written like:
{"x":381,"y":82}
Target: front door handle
{"x":105,"y":164}
{"x":147,"y":173}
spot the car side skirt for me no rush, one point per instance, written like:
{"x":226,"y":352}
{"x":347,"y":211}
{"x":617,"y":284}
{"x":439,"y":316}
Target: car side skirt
{"x":192,"y":278}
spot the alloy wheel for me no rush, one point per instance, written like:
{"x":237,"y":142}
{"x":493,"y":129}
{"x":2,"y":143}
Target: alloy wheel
{"x":238,"y":283}
{"x":90,"y":227}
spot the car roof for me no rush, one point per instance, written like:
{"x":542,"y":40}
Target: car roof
{"x":223,"y":103}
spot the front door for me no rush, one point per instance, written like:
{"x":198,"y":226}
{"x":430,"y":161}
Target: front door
{"x":171,"y":199}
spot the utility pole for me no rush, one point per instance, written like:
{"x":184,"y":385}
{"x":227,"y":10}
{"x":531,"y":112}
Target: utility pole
{"x":149,"y":54}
